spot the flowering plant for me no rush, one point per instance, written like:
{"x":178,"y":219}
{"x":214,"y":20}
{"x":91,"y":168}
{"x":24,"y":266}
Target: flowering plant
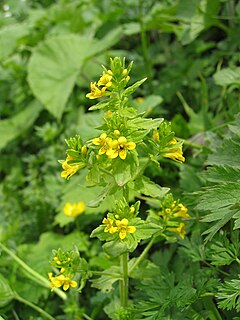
{"x":116,"y":160}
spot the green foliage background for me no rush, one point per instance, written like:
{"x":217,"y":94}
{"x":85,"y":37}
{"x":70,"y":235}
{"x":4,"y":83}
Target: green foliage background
{"x":49,"y":53}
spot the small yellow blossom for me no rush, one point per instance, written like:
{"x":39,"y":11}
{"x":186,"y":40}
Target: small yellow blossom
{"x":105,"y":81}
{"x":109,"y":225}
{"x":123,"y":228}
{"x":74,"y":209}
{"x":119,"y":148}
{"x":127,"y":78}
{"x":155,"y":135}
{"x":68,"y":169}
{"x":116,"y":132}
{"x":179,"y":230}
{"x":175,"y":153}
{"x":104,"y":141}
{"x":181,"y":211}
{"x":61,"y":280}
{"x":132,"y":209}
{"x":84,"y":150}
{"x":95,"y":91}
{"x":124,"y":72}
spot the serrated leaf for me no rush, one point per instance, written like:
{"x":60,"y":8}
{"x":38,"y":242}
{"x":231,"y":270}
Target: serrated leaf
{"x":229,"y":295}
{"x":222,"y":173}
{"x":227,"y":154}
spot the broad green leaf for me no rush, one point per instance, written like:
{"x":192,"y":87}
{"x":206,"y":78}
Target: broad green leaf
{"x":15,"y":126}
{"x":227,"y":76}
{"x":54,"y":67}
{"x":145,"y":123}
{"x":55,"y":64}
{"x":150,"y":103}
{"x":9,"y":36}
{"x":124,"y":170}
{"x":109,"y":277}
{"x":7,"y":294}
{"x":149,"y":188}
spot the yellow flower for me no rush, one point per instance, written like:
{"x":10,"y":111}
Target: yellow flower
{"x":74,"y":209}
{"x":61,"y":280}
{"x":175,"y":153}
{"x":69,"y":169}
{"x":95,"y":91}
{"x":105,"y":81}
{"x":179,"y":230}
{"x":123,"y":228}
{"x":181,"y":211}
{"x":104,"y":141}
{"x":155,"y":135}
{"x":109,"y":225}
{"x":119,"y":148}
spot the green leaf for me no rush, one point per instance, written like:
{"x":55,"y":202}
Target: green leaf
{"x":15,"y":126}
{"x":117,"y":247}
{"x":149,"y":188}
{"x":229,"y":295}
{"x":109,"y":277}
{"x":150,"y":103}
{"x":227,"y":154}
{"x":144,"y":229}
{"x":54,"y":67}
{"x":56,"y":63}
{"x":145,"y":123}
{"x":134,"y":87}
{"x":227,"y":76}
{"x":124,"y":170}
{"x":7,"y":294}
{"x":9,"y":36}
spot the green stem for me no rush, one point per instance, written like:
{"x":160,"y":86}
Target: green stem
{"x":209,"y":305}
{"x":102,"y":273}
{"x":144,"y":42}
{"x":85,"y":316}
{"x":124,"y":281}
{"x":142,"y":256}
{"x":33,"y":274}
{"x":33,"y":306}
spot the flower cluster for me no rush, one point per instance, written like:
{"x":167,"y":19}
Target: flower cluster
{"x":76,"y":157}
{"x":110,"y":78}
{"x":61,"y":281}
{"x":166,"y":144}
{"x":175,"y":151}
{"x":173,"y":213}
{"x":120,"y":226}
{"x":114,"y":147}
{"x":63,"y":261}
{"x":74,"y":209}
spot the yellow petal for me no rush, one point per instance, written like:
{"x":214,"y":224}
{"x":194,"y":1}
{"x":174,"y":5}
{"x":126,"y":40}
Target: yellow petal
{"x":130,"y":145}
{"x":122,"y":234}
{"x":131,"y":229}
{"x":123,"y":154}
{"x":73,"y":283}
